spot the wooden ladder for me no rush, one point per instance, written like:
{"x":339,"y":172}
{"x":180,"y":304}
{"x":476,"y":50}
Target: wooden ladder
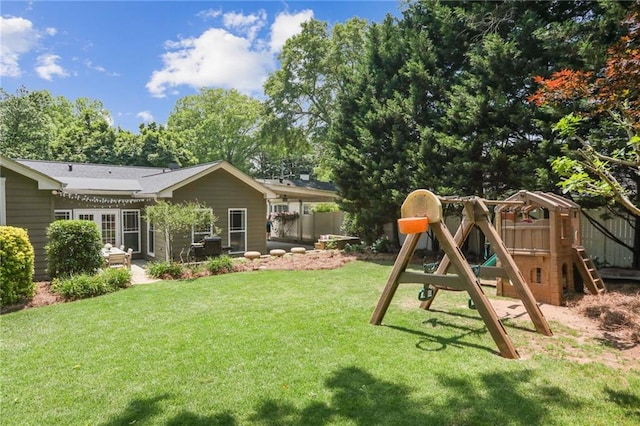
{"x":588,"y":271}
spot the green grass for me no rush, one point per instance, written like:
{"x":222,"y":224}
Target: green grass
{"x":293,"y":348}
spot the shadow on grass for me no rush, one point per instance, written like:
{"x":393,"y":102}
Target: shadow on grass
{"x":628,"y":401}
{"x":359,"y":398}
{"x":141,"y":411}
{"x":434,"y":343}
{"x":507,"y":321}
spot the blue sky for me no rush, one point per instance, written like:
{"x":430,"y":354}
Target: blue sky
{"x":138,"y":58}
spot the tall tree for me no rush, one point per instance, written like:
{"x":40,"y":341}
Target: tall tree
{"x":374,"y":135}
{"x":218,"y":124}
{"x":602,"y":129}
{"x":26,"y":125}
{"x":315,"y":67}
{"x":89,"y":138}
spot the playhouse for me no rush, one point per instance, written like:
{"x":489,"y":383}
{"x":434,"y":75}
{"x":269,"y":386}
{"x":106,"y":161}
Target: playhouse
{"x":541,"y":231}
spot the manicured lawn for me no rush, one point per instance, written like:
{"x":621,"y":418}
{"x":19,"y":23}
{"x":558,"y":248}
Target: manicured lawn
{"x":295,"y":348}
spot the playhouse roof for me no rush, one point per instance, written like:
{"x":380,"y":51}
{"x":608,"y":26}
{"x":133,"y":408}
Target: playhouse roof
{"x":548,"y":200}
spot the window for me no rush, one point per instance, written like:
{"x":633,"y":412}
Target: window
{"x":3,"y":202}
{"x":280,"y":208}
{"x":62,"y":215}
{"x":199,"y":233}
{"x":131,"y":229}
{"x":238,"y":230}
{"x":306,"y":209}
{"x":108,"y":226}
{"x":151,"y":241}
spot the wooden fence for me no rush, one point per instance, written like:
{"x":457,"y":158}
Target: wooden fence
{"x":604,"y":251}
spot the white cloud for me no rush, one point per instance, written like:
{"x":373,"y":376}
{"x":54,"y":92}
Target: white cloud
{"x":215,"y":58}
{"x":89,"y":64}
{"x":209,"y":13}
{"x":48,"y":68}
{"x":287,"y":25}
{"x":17,"y":37}
{"x":248,"y":25}
{"x":145,"y":116}
{"x":233,"y":57}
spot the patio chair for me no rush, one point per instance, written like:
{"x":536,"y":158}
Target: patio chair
{"x":127,"y":258}
{"x":116,"y":260}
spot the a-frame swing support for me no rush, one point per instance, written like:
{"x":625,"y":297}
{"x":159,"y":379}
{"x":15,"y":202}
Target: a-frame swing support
{"x":422,"y":203}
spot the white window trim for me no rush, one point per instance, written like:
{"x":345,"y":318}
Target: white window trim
{"x":68,"y":212}
{"x":3,"y":201}
{"x":244,"y":229}
{"x":116,"y":212}
{"x":149,"y":230}
{"x":209,"y":232}
{"x":137,"y":211}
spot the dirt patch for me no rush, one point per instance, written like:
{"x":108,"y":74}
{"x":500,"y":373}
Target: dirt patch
{"x":44,"y":296}
{"x":313,"y":260}
{"x":612,"y":318}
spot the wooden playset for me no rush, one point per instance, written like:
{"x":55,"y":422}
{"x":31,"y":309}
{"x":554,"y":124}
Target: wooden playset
{"x":422,"y":209}
{"x":544,"y":241}
{"x":542,"y":233}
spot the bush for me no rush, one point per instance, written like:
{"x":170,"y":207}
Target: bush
{"x":220,"y":265}
{"x":116,"y":278}
{"x":73,"y":248}
{"x":83,"y":286}
{"x":354,"y":248}
{"x":325,"y":208}
{"x":381,"y":245}
{"x":16,"y":265}
{"x":78,"y":286}
{"x":165,"y":269}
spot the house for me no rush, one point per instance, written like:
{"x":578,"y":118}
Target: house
{"x":301,"y":196}
{"x":35,"y":193}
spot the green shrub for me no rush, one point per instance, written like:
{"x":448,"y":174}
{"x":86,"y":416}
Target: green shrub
{"x":220,"y":265}
{"x":82,"y":286}
{"x":381,"y":245}
{"x":73,"y":248}
{"x":16,"y":265}
{"x":79,"y":286}
{"x":164,"y":269}
{"x":354,"y":248}
{"x":325,"y":208}
{"x":116,"y":278}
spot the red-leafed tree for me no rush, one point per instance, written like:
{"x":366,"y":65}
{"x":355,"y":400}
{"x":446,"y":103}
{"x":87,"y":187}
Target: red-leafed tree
{"x":603,"y":115}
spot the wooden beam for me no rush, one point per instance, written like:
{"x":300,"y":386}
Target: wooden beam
{"x":484,"y":307}
{"x":512,"y":270}
{"x":448,"y":280}
{"x":461,"y":235}
{"x":400,"y":265}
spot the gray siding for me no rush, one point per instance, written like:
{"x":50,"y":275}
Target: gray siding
{"x":31,"y":209}
{"x":222,"y":191}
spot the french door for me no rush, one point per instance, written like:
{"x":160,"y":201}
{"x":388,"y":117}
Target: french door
{"x":117,"y":227}
{"x":107,"y":221}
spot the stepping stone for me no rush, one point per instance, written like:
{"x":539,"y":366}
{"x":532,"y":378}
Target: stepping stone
{"x":277,"y":252}
{"x":298,"y":250}
{"x":252,"y":254}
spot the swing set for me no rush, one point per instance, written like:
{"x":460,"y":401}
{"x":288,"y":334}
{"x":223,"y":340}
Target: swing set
{"x":422,"y":209}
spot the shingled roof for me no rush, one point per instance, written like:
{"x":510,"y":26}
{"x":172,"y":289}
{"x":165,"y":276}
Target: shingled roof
{"x":142,"y":182}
